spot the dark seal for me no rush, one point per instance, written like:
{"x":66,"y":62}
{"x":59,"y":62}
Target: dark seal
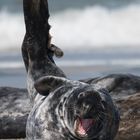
{"x":71,"y":110}
{"x":62,"y":109}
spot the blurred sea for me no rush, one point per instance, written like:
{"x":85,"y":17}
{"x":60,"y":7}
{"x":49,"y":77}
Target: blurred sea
{"x":98,"y":37}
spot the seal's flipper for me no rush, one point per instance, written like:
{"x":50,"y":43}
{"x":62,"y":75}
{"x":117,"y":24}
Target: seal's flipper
{"x":46,"y":84}
{"x":57,"y":51}
{"x":54,"y":50}
{"x":109,"y":82}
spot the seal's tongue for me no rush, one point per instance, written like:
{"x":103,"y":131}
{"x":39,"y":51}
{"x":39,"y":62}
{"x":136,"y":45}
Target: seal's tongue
{"x":84,"y":125}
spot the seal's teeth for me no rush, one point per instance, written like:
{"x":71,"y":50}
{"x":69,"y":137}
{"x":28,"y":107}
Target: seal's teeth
{"x":82,"y":126}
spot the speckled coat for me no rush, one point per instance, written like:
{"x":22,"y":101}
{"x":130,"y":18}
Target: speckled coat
{"x":46,"y":119}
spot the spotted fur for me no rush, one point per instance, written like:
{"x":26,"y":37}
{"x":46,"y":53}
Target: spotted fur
{"x":57,"y":101}
{"x":53,"y":115}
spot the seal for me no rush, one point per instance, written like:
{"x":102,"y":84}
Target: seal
{"x":62,"y":109}
{"x":70,"y":110}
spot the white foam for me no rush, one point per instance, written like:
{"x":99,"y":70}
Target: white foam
{"x":11,"y":65}
{"x":97,"y":27}
{"x":70,"y":63}
{"x":11,"y":31}
{"x":87,"y":28}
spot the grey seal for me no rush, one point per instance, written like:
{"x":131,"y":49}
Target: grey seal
{"x":70,"y":110}
{"x":62,"y":109}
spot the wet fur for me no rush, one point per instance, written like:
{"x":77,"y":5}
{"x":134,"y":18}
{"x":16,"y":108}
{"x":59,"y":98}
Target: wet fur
{"x":48,"y":86}
{"x":53,"y":113}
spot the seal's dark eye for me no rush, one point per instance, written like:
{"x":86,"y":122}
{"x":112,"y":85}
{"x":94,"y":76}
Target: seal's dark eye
{"x":82,"y":94}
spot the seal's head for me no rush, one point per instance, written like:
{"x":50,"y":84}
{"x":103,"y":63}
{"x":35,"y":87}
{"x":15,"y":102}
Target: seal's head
{"x":82,"y":108}
{"x":85,"y":115}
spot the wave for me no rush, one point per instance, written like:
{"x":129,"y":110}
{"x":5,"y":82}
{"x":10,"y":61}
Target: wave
{"x":11,"y":65}
{"x":79,"y":63}
{"x":88,"y":28}
{"x":97,"y":27}
{"x":11,"y":31}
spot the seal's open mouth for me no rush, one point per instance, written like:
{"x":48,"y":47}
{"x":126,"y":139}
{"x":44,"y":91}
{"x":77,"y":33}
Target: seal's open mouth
{"x":82,"y":126}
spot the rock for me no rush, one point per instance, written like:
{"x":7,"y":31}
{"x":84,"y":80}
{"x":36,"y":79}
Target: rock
{"x":14,"y":109}
{"x":130,"y":117}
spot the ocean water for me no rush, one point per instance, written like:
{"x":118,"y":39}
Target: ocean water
{"x":98,"y":37}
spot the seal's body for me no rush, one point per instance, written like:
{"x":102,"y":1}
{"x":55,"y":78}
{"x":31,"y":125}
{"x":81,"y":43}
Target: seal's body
{"x":71,"y":110}
{"x":62,"y":109}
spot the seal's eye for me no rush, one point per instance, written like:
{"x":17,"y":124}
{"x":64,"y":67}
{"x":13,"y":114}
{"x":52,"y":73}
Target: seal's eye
{"x":81,"y":95}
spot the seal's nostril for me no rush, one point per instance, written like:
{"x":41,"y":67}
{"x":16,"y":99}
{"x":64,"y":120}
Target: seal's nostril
{"x":104,"y":105}
{"x":87,"y":107}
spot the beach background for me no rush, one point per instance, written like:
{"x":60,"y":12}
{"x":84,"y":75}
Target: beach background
{"x":98,"y":37}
